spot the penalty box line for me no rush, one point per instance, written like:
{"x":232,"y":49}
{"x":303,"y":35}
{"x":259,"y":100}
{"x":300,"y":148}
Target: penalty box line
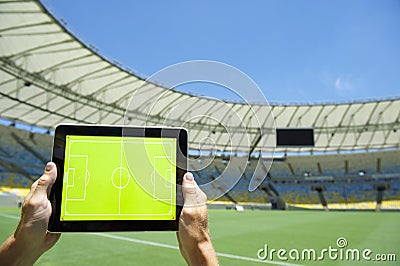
{"x":87,"y":175}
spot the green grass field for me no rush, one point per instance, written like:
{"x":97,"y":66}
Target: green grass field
{"x":233,"y":234}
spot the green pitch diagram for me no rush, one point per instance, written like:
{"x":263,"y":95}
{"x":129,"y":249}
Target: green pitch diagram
{"x":100,"y":184}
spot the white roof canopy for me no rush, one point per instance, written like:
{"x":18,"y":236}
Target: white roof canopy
{"x":48,"y":76}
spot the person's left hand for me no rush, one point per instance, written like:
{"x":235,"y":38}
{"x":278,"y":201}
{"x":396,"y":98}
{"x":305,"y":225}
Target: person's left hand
{"x":31,"y":239}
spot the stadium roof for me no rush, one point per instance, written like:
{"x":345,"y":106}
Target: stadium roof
{"x":48,"y":76}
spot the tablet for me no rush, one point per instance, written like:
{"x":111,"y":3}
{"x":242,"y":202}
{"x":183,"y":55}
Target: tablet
{"x":117,"y":178}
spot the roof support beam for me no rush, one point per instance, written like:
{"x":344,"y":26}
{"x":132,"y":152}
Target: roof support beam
{"x":255,"y":143}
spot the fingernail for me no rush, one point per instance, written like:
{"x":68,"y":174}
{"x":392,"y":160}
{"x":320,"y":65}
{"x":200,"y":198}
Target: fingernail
{"x":49,"y":166}
{"x":189,"y":177}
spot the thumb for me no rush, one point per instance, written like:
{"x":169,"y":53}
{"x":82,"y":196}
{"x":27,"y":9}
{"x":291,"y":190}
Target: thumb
{"x":189,"y":189}
{"x":192,"y":194}
{"x":47,"y":180}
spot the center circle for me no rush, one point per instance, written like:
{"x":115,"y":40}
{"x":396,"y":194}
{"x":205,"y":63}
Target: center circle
{"x":120,"y":177}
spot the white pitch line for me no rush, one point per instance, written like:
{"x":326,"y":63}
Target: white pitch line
{"x":10,"y":216}
{"x":157,"y":244}
{"x":151,"y":243}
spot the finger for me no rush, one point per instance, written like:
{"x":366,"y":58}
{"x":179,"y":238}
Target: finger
{"x":179,"y":240}
{"x":33,"y":188}
{"x":182,"y":248}
{"x":51,"y":239}
{"x":189,"y":190}
{"x":48,"y":178}
{"x":192,"y":194}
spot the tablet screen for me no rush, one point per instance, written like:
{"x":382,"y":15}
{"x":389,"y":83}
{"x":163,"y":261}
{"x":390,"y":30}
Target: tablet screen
{"x":100,"y":185}
{"x":117,"y":178}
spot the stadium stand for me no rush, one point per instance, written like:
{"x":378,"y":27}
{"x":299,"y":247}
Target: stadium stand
{"x":23,"y":154}
{"x":347,"y":185}
{"x":48,"y":76}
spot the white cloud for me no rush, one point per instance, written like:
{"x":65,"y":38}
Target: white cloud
{"x":345,"y":85}
{"x":342,"y":85}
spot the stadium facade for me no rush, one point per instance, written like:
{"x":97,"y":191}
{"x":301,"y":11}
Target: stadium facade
{"x":48,"y":76}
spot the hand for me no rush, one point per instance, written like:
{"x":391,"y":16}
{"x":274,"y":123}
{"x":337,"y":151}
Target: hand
{"x":31,"y":238}
{"x":193,"y":235}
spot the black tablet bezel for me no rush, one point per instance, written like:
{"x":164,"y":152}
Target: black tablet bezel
{"x":61,"y":131}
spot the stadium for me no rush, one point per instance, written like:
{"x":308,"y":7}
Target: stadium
{"x":347,"y":184}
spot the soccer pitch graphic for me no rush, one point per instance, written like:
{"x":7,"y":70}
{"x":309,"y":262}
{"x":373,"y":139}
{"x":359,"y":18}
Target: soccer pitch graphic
{"x":99,"y":185}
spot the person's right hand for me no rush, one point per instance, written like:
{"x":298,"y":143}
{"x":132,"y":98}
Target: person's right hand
{"x":193,"y":235}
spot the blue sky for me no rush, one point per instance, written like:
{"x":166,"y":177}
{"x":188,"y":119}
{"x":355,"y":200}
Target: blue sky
{"x":296,"y":51}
